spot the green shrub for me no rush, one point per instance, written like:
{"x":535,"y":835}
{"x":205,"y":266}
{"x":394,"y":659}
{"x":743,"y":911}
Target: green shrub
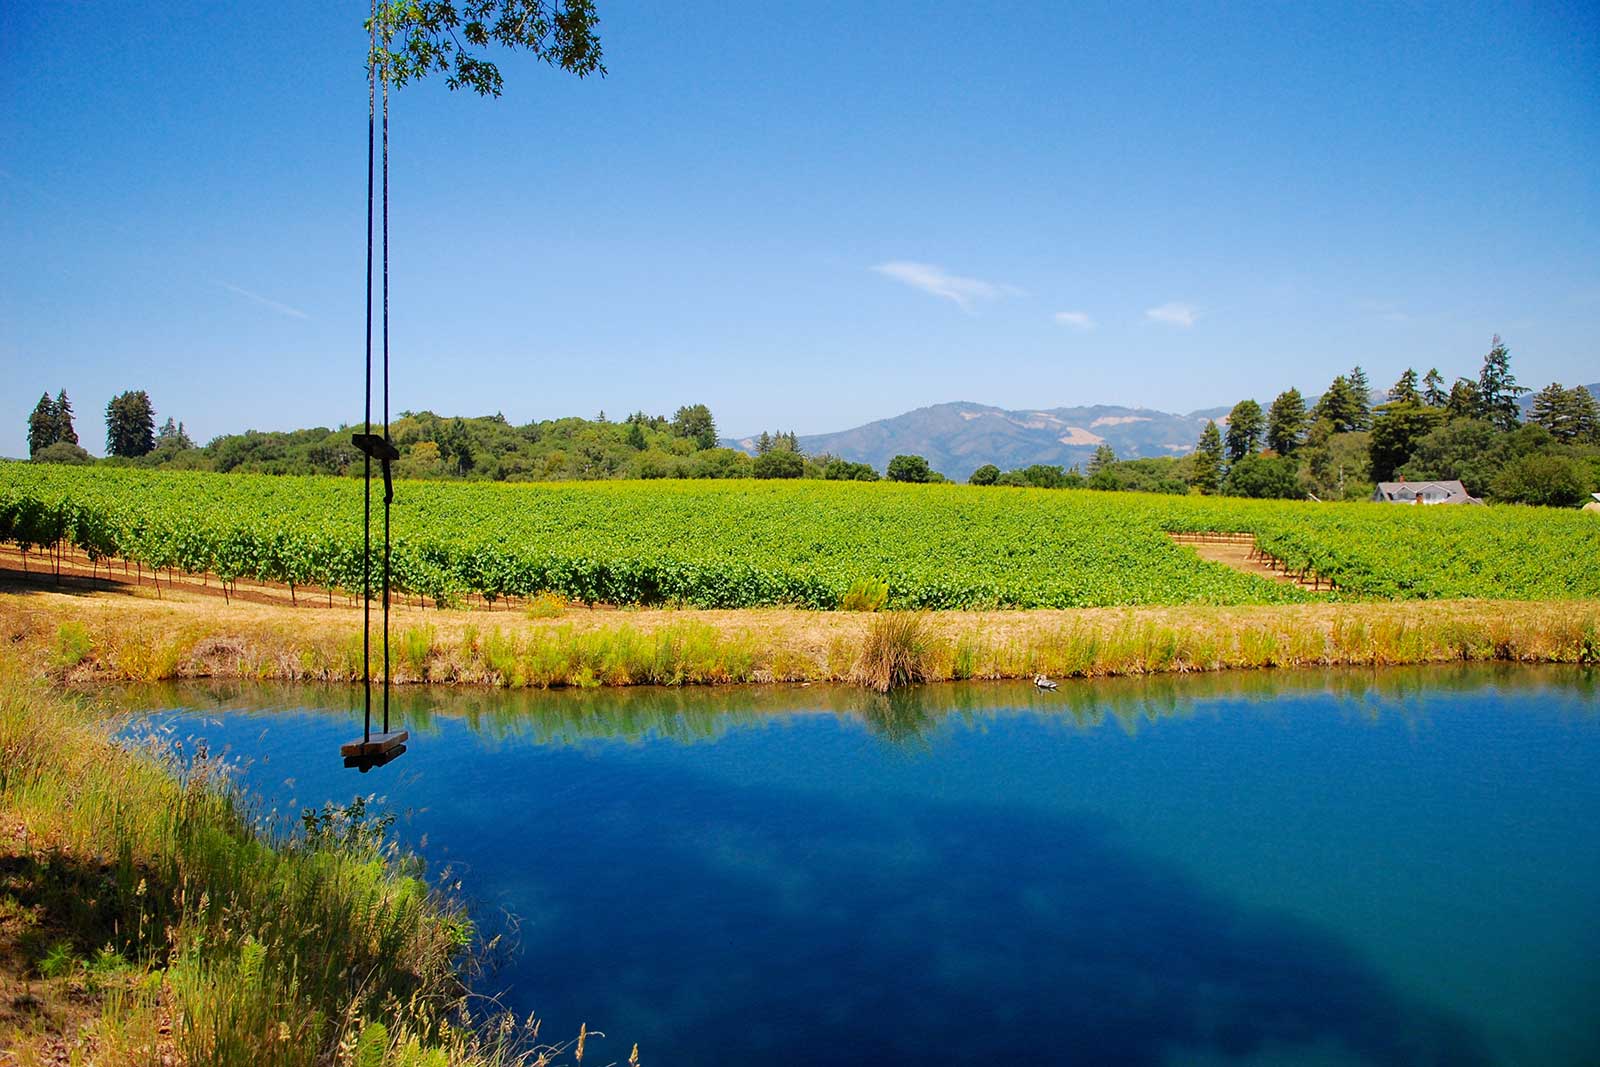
{"x":73,"y":644}
{"x":866,"y":594}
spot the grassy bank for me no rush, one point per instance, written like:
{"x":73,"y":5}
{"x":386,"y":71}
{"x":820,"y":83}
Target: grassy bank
{"x":146,"y":918}
{"x":121,"y":638}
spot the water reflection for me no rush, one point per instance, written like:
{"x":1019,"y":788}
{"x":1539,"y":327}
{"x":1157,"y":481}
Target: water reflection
{"x":904,"y":717}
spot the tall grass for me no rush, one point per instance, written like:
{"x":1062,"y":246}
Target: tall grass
{"x":895,"y":652}
{"x":218,"y":938}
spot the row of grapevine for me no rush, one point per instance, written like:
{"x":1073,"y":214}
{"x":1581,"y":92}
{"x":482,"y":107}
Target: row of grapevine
{"x":740,"y":544}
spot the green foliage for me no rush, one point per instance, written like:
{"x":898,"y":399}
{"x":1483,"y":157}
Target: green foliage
{"x":1498,"y":389}
{"x":778,"y":463}
{"x":1542,"y":478}
{"x":421,"y":37}
{"x":801,"y":542}
{"x":866,"y":594}
{"x":72,"y":646}
{"x":63,"y":452}
{"x":987,"y":474}
{"x":1569,"y":414}
{"x":1103,"y":457}
{"x":1404,"y":391}
{"x":909,"y":469}
{"x":1341,"y":407}
{"x":694,"y":422}
{"x":1206,"y":469}
{"x":1286,"y":422}
{"x":1246,"y":424}
{"x":839,"y":470}
{"x":1396,"y":431}
{"x":1265,"y":477}
{"x":130,"y":425}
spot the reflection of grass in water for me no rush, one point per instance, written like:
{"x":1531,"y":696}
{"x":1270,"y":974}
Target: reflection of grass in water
{"x":695,"y":714}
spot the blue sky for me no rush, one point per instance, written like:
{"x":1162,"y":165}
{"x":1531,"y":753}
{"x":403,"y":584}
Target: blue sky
{"x":806,"y":216}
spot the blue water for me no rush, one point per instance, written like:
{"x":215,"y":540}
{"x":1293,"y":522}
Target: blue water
{"x":1379,"y":868}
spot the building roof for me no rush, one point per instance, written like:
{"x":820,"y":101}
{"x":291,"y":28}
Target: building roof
{"x":1440,"y":492}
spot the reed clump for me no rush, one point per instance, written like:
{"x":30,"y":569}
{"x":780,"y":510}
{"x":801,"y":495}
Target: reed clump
{"x":143,"y":900}
{"x":895,"y":652}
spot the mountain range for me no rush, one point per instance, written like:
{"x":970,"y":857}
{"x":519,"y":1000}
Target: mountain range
{"x":958,"y":438}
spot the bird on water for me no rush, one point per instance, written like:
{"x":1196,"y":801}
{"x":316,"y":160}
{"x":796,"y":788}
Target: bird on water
{"x":1042,"y":682}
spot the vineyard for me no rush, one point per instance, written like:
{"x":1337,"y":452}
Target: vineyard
{"x":747,"y":544}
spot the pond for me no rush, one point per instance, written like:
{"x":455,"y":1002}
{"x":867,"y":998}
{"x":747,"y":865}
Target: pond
{"x":1393,"y":867}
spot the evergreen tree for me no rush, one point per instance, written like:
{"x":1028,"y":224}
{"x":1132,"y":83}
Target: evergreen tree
{"x":1245,"y":425}
{"x":1462,"y":403}
{"x":1569,"y":414}
{"x":1340,"y":407}
{"x":1395,"y":432}
{"x":1207,"y":460}
{"x":1104,"y":456}
{"x":1405,"y":390}
{"x":1286,"y":421}
{"x":1361,"y":392}
{"x":1498,"y":389}
{"x":130,"y":425}
{"x":694,"y":421}
{"x":763,"y":443}
{"x":1433,"y":393}
{"x":635,"y":435}
{"x":64,"y":428}
{"x":43,"y":426}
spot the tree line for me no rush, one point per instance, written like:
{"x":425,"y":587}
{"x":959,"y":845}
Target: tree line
{"x":1343,"y":444}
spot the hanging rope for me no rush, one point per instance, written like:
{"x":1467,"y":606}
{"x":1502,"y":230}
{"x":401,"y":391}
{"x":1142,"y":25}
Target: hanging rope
{"x":373,"y":446}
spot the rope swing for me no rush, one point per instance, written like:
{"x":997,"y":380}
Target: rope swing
{"x":375,"y":749}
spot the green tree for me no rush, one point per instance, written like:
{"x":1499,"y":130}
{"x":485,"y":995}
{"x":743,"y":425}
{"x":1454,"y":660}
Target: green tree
{"x":64,"y":428}
{"x":763,"y":443}
{"x":1463,"y":401}
{"x":455,"y":447}
{"x":1340,"y":407}
{"x":1265,"y":477}
{"x":987,"y":474}
{"x":1569,"y":414}
{"x":44,"y":429}
{"x":779,"y":463}
{"x":1103,"y":457}
{"x":635,"y":437}
{"x":1498,"y":389}
{"x":694,"y":422}
{"x":1245,"y":425}
{"x":130,"y":425}
{"x":909,"y":469}
{"x":1398,"y":428}
{"x":1405,"y":390}
{"x":1433,"y":393}
{"x":63,"y":452}
{"x":1286,"y":422}
{"x":1361,"y":390}
{"x":1541,"y":478}
{"x":1336,"y":466}
{"x":422,"y":37}
{"x":1468,"y":450}
{"x":1206,"y":473}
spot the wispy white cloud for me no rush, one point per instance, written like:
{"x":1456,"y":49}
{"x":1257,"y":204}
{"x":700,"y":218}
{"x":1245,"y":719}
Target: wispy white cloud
{"x":965,"y":293}
{"x":1078,"y":320}
{"x":282,"y":309}
{"x":1174,"y":314}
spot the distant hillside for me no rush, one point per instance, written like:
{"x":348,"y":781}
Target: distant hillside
{"x":958,"y":438}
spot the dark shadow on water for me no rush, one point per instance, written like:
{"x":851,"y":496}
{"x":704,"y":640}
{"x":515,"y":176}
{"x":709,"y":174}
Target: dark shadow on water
{"x":719,"y":924}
